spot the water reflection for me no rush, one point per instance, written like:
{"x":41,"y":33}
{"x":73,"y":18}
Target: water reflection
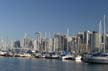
{"x":78,"y":61}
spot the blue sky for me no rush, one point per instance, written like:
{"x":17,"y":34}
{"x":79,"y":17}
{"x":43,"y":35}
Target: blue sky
{"x":20,"y":16}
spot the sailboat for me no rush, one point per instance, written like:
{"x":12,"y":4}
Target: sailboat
{"x":101,"y":57}
{"x":77,"y":56}
{"x":68,"y":56}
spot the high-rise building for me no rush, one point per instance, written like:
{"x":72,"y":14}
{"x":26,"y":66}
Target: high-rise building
{"x":69,"y":43}
{"x":59,"y":42}
{"x":48,"y":43}
{"x":37,"y":41}
{"x":26,"y":41}
{"x":95,"y":44}
{"x":87,"y":40}
{"x":55,"y":44}
{"x":106,"y":42}
{"x":81,"y":36}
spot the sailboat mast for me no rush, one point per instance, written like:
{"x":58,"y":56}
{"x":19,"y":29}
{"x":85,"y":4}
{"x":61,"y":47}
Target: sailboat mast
{"x":100,"y":36}
{"x":67,"y":38}
{"x":45,"y":41}
{"x":104,"y":33}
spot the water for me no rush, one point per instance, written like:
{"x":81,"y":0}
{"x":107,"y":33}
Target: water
{"x":32,"y":64}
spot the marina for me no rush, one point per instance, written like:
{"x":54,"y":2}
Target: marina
{"x":53,"y":35}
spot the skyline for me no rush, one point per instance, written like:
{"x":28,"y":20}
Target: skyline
{"x":30,"y":16}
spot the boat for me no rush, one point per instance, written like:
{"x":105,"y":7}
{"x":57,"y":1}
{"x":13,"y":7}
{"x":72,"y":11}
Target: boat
{"x":3,"y":53}
{"x":68,"y":57}
{"x":101,"y":57}
{"x":37,"y":55}
{"x":25,"y":55}
{"x":43,"y":56}
{"x":22,"y":55}
{"x":52,"y":56}
{"x":66,"y":54}
{"x":55,"y":56}
{"x":78,"y":58}
{"x":9,"y":54}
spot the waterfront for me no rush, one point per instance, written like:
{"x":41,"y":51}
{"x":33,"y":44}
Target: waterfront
{"x":32,"y":64}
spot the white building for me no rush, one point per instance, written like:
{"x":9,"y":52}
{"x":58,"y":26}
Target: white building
{"x":37,"y":41}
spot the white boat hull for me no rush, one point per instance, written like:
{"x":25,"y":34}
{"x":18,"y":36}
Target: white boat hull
{"x":68,"y":57}
{"x":77,"y":58}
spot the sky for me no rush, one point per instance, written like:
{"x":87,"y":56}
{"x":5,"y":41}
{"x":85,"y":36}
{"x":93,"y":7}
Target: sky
{"x":30,"y":16}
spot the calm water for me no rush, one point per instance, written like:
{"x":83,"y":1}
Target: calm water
{"x":27,"y":64}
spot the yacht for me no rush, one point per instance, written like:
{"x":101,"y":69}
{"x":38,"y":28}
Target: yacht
{"x":52,"y":56}
{"x":99,"y":58}
{"x":68,"y":57}
{"x":26,"y":55}
{"x":78,"y":58}
{"x":55,"y":56}
{"x":22,"y":55}
{"x":37,"y":55}
{"x":9,"y":54}
{"x":3,"y":53}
